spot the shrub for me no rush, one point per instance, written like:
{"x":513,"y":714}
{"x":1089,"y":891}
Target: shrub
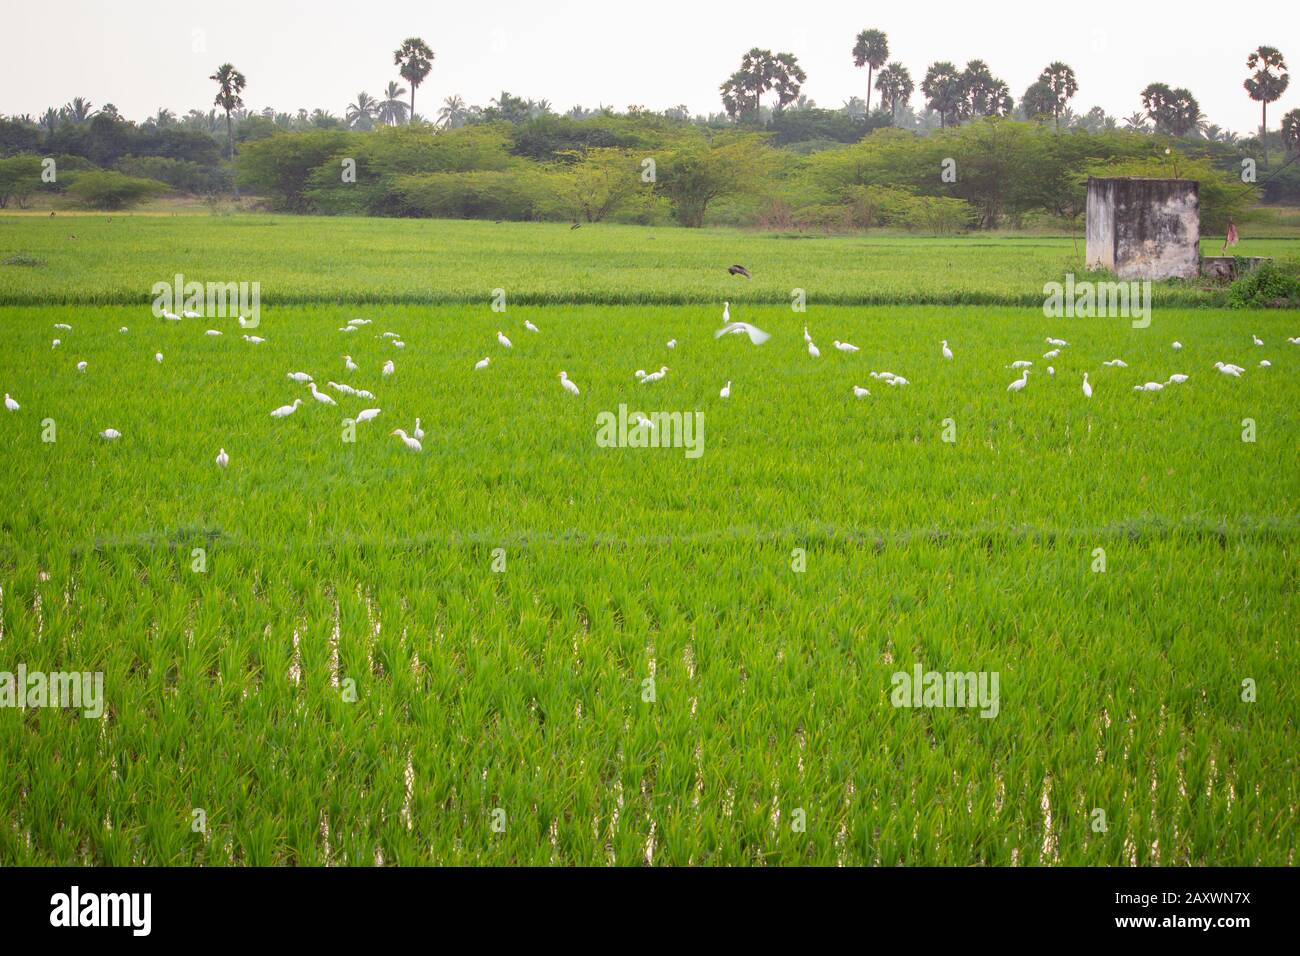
{"x":481,"y":194}
{"x":20,"y":176}
{"x":106,"y":189}
{"x":1265,"y":286}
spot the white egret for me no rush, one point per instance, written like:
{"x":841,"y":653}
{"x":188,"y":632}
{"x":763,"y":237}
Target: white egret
{"x":655,"y":376}
{"x":399,"y":344}
{"x":171,"y":316}
{"x":389,"y":368}
{"x":1176,"y":346}
{"x":63,"y":325}
{"x":11,"y":404}
{"x":369,"y":415}
{"x":411,"y":443}
{"x":726,"y":390}
{"x":110,"y":434}
{"x":55,"y":344}
{"x":358,"y":322}
{"x":947,"y":352}
{"x":1087,"y":389}
{"x":1233,"y":370}
{"x":81,"y":366}
{"x":672,"y":344}
{"x":213,"y":333}
{"x":157,"y":357}
{"x":1021,"y":364}
{"x":639,"y":374}
{"x":191,"y":314}
{"x":286,"y":410}
{"x":319,"y":395}
{"x":222,"y":459}
{"x":363,"y":393}
{"x":806,"y":336}
{"x":569,"y":386}
{"x":348,"y":364}
{"x":756,"y":335}
{"x":897,"y":380}
{"x":643,"y":422}
{"x":502,"y":339}
{"x":124,"y":330}
{"x":844,"y":346}
{"x":1052,"y":354}
{"x":1019,"y":383}
{"x":1050,"y":370}
{"x":1256,"y":339}
{"x":726,"y":312}
{"x":391,"y":335}
{"x":1116,"y":363}
{"x":1149,"y":387}
{"x":1057,"y":342}
{"x":254,"y":339}
{"x":1265,"y":363}
{"x":299,"y":376}
{"x":530,"y":327}
{"x":1176,"y":379}
{"x":348,"y":328}
{"x":247,"y":323}
{"x":482,"y":363}
{"x":418,"y":432}
{"x":860,"y":392}
{"x":814,"y":351}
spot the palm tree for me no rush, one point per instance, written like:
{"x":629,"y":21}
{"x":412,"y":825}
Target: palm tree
{"x":896,"y":87}
{"x":1136,"y":122}
{"x":942,"y":89}
{"x":230,"y":83}
{"x":1291,"y":131}
{"x":164,"y":118}
{"x":871,"y":50}
{"x":360,"y":115}
{"x":1059,"y":79}
{"x":1265,"y":86}
{"x":453,"y":112}
{"x":414,"y":60}
{"x":787,"y":79}
{"x":50,"y":119}
{"x":78,"y":110}
{"x":392,"y":108}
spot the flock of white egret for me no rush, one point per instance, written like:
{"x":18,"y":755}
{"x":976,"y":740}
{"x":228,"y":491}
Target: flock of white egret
{"x":756,"y":336}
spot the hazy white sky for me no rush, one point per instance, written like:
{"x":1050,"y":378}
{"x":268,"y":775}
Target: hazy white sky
{"x":143,"y":54}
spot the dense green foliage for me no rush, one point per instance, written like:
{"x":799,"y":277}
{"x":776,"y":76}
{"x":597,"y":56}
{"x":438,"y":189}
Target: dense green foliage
{"x":1266,"y":286}
{"x":109,"y":189}
{"x":999,"y":173}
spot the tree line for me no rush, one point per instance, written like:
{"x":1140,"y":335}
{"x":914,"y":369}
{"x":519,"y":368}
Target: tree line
{"x":537,"y":158}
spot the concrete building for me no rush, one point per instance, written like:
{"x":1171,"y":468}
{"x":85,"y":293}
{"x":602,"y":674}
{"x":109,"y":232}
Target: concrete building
{"x":1144,"y":228}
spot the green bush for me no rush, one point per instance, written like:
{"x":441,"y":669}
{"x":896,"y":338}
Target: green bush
{"x":106,"y":189}
{"x":482,"y":194}
{"x":1265,"y":286}
{"x":20,"y":176}
{"x":180,"y":174}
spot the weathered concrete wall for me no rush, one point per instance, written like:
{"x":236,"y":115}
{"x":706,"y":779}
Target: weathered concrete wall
{"x":1144,"y":228}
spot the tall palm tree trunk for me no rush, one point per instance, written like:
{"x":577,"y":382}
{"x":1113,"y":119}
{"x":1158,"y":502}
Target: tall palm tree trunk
{"x":870,"y":69}
{"x":411,"y":119}
{"x":1263,"y":130}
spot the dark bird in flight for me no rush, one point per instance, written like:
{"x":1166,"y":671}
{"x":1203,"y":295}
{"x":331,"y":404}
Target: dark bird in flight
{"x":576,"y":225}
{"x":739,"y":271}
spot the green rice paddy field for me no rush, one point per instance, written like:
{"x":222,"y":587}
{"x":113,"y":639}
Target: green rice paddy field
{"x":518,"y":646}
